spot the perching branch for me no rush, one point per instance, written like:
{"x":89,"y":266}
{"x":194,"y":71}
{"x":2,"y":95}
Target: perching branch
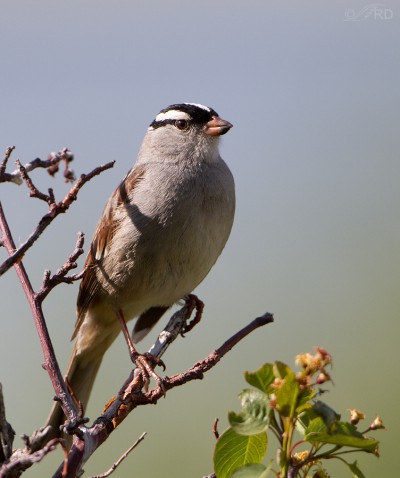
{"x":132,"y":396}
{"x":87,"y":440}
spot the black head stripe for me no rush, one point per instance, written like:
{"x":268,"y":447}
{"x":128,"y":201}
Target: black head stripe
{"x":197,"y":114}
{"x":157,"y":124}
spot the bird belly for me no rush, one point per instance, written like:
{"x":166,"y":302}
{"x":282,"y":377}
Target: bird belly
{"x":165,"y":247}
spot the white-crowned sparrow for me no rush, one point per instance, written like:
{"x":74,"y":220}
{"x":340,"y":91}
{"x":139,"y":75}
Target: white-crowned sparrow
{"x":160,"y":233}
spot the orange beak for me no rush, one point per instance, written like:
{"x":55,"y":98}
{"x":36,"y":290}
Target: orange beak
{"x":217,"y":126}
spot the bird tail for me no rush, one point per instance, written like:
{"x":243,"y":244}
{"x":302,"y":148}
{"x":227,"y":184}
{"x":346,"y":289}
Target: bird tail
{"x":92,"y":339}
{"x":80,"y":375}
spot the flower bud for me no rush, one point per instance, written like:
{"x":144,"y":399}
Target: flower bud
{"x":323,"y":377}
{"x":324,"y":355}
{"x":377,"y":424}
{"x":355,"y":415}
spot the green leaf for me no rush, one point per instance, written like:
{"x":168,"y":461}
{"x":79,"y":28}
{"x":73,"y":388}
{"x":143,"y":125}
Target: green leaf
{"x":261,"y":378}
{"x":233,"y":451}
{"x":281,"y":369}
{"x":345,"y":434}
{"x":251,"y":471}
{"x":367,"y":444}
{"x":304,"y":397}
{"x":319,"y":472}
{"x":328,"y":414}
{"x":253,"y":418}
{"x":357,"y":473}
{"x":286,"y":394}
{"x":305,"y":415}
{"x":316,"y":426}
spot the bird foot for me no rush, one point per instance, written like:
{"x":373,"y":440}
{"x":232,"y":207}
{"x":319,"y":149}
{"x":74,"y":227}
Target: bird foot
{"x":192,"y":303}
{"x":146,"y":363}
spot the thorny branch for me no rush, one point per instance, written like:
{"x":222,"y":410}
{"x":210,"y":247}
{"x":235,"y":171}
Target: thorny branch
{"x":54,"y":208}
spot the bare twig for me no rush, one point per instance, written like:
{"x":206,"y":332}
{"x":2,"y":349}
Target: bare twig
{"x":34,"y":191}
{"x":50,"y":363}
{"x":6,"y":432}
{"x":23,"y":459}
{"x":51,"y":164}
{"x":36,"y":440}
{"x":3,"y":164}
{"x":61,"y":275}
{"x":198,"y":370}
{"x":132,"y":396}
{"x":121,"y":459}
{"x":54,"y":210}
{"x":215,"y":429}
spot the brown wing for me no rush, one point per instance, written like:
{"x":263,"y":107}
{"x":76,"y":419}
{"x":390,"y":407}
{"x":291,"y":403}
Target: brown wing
{"x":105,"y":230}
{"x":146,"y":322}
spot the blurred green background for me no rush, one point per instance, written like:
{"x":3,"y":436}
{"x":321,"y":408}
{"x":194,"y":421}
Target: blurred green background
{"x":314,"y":100}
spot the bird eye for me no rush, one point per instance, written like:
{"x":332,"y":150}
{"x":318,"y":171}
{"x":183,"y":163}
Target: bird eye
{"x":182,"y":124}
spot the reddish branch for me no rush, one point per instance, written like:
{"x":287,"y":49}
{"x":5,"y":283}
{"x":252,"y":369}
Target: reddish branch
{"x":122,"y":458}
{"x":49,"y":282}
{"x":215,"y":429}
{"x":6,"y":432}
{"x":54,"y":210}
{"x":26,"y":459}
{"x":132,"y":396}
{"x":35,"y":302}
{"x":3,"y":165}
{"x":51,"y":165}
{"x":35,"y":299}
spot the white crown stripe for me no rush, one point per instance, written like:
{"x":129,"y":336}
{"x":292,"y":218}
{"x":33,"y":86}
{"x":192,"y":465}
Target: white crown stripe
{"x":206,"y":108}
{"x":172,"y":115}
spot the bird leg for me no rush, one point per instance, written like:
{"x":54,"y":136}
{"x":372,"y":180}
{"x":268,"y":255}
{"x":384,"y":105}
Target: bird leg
{"x":145,"y":362}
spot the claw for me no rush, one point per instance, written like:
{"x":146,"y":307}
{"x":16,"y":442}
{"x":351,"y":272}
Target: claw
{"x":193,"y":303}
{"x":145,"y":362}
